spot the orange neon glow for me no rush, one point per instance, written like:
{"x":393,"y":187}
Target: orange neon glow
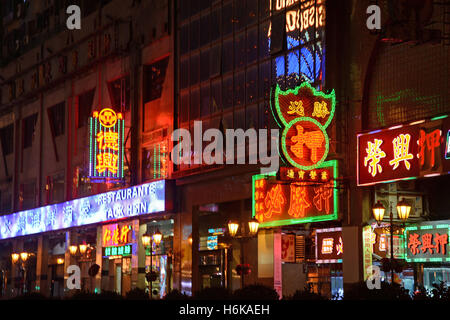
{"x":401,"y":151}
{"x":108,"y":139}
{"x":311,"y":139}
{"x":441,"y":240}
{"x":340,"y":247}
{"x":414,"y":243}
{"x":274,"y":201}
{"x":327,"y":245}
{"x":113,"y":235}
{"x":107,"y":161}
{"x":298,"y":203}
{"x":374,"y":154}
{"x":428,"y":141}
{"x":107,"y":117}
{"x":427,"y":243}
{"x":322,"y":197}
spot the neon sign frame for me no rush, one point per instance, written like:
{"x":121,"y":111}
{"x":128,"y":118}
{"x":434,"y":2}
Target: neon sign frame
{"x":287,"y":124}
{"x":326,"y":217}
{"x":104,"y":207}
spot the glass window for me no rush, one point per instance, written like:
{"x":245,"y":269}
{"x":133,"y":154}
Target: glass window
{"x":194,"y":70}
{"x":195,"y":34}
{"x":227,"y":16}
{"x":204,"y":67}
{"x":85,"y":104}
{"x":154,"y":76}
{"x":240,"y":17}
{"x":263,"y":115}
{"x":57,"y":119}
{"x":215,"y":61}
{"x":264,"y":40}
{"x":227,"y":54}
{"x":205,"y":104}
{"x":184,"y":73}
{"x":205,"y":29}
{"x":184,"y":39}
{"x":278,"y":33}
{"x":227,"y":94}
{"x":119,"y":91}
{"x":184,"y":106}
{"x":239,"y":51}
{"x":251,"y":117}
{"x":29,"y":125}
{"x":252,"y":11}
{"x":7,"y":139}
{"x":264,"y":9}
{"x":239,"y":119}
{"x":239,"y":88}
{"x":251,"y":84}
{"x":216,"y":96}
{"x":195,"y":104}
{"x":215,"y":25}
{"x":264,"y":80}
{"x":252,"y":47}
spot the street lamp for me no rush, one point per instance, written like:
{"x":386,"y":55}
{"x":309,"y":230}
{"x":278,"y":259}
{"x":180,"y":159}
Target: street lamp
{"x":233,"y":227}
{"x":403,"y":210}
{"x":147,"y":241}
{"x":15,"y":257}
{"x":73,"y":249}
{"x":23,"y":256}
{"x":83,"y":248}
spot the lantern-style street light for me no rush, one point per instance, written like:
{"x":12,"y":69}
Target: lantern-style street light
{"x":233,"y":227}
{"x":147,"y":242}
{"x":21,"y":259}
{"x":403,"y":210}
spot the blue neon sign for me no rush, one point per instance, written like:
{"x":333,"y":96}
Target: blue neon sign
{"x":130,"y":202}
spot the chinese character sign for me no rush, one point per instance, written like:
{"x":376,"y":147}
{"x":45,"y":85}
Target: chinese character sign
{"x":303,"y":114}
{"x":405,"y":151}
{"x":106,"y":146}
{"x":277,"y":202}
{"x":116,"y":234}
{"x":329,"y":245}
{"x":427,"y":243}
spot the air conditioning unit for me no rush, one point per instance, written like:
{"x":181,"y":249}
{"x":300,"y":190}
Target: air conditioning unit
{"x":416,"y":202}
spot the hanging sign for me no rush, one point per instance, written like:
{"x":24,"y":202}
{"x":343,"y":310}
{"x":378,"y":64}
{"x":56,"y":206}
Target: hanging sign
{"x":277,"y":202}
{"x":329,"y":245}
{"x":106,"y":146}
{"x":304,"y":114}
{"x":402,"y":152}
{"x":427,"y":242}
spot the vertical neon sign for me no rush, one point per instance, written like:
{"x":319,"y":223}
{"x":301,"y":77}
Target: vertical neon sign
{"x":106,"y":146}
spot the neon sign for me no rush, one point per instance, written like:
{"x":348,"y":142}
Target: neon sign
{"x":117,"y":252}
{"x":277,"y":203}
{"x":120,"y":204}
{"x":304,"y":115}
{"x":402,"y":152}
{"x":427,"y":242}
{"x":106,"y":146}
{"x":115,"y":234}
{"x":329,"y":245}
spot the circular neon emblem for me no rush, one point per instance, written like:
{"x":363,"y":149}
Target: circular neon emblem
{"x":107,"y":117}
{"x":304,"y":143}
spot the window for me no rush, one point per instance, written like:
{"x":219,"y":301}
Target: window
{"x":154,"y":79}
{"x":7,"y":139}
{"x":84,"y":107}
{"x":28,"y":195}
{"x":56,"y":115}
{"x":119,"y":91}
{"x":29,"y":124}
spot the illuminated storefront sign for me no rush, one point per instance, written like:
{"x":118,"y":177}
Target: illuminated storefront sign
{"x":117,"y":252}
{"x":125,"y":203}
{"x":106,"y":146}
{"x":116,"y":234}
{"x":402,"y":152}
{"x":427,"y":242}
{"x":303,"y":114}
{"x":381,"y":242}
{"x":329,"y":245}
{"x":277,"y":202}
{"x":367,"y":251}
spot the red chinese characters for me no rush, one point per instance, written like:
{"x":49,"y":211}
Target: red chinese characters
{"x":427,"y":243}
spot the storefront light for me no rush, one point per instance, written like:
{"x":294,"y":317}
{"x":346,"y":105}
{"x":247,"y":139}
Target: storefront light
{"x":253,"y":226}
{"x":15,"y":257}
{"x":233,"y":227}
{"x":60,"y":261}
{"x":190,"y":239}
{"x":24,"y":256}
{"x":378,"y":211}
{"x":73,"y":249}
{"x":403,"y":210}
{"x":83,"y":248}
{"x":146,"y":239}
{"x":157,"y":237}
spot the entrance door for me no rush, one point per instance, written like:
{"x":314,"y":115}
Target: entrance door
{"x":118,"y":278}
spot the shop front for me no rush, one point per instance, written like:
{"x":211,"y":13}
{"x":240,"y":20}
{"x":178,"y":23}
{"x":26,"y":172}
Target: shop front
{"x":100,"y":235}
{"x":300,"y":243}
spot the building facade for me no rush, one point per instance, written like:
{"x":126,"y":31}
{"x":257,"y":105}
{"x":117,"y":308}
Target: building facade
{"x":306,"y":76}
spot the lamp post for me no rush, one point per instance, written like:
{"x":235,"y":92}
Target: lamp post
{"x":233,"y":227}
{"x":21,"y":259}
{"x":147,"y":241}
{"x":403,"y":210}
